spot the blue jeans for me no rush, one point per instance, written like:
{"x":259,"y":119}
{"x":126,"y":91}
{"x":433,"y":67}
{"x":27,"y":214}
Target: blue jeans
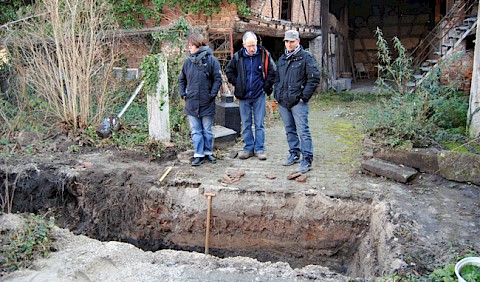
{"x":202,"y":135}
{"x":257,"y":107}
{"x":296,"y":127}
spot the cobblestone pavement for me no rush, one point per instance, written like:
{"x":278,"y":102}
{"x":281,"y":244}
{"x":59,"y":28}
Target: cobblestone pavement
{"x":337,"y":146}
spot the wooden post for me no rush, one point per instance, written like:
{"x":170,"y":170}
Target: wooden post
{"x":158,"y":108}
{"x":324,"y":9}
{"x":474,"y":107}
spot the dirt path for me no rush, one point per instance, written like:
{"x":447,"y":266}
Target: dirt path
{"x":364,"y":226}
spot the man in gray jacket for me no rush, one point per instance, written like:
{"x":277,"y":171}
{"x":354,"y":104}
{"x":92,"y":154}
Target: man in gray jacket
{"x":296,"y":80}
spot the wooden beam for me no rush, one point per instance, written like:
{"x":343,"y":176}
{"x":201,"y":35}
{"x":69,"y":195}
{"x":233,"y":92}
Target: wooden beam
{"x":271,"y":9}
{"x":324,"y":8}
{"x":271,"y":31}
{"x":304,"y":13}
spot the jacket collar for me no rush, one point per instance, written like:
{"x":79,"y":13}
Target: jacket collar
{"x":245,"y":54}
{"x":197,"y":57}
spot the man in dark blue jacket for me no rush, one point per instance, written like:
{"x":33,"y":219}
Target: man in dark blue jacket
{"x":296,"y":80}
{"x":199,"y":83}
{"x":252,"y":71}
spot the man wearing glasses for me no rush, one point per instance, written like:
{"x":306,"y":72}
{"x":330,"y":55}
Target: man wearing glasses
{"x":252,"y":72}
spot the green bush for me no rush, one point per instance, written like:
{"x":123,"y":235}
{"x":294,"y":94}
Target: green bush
{"x":451,"y":110}
{"x":424,"y":116}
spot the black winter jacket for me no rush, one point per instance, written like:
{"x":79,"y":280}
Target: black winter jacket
{"x":199,"y":83}
{"x":236,"y":73}
{"x":297,"y":78}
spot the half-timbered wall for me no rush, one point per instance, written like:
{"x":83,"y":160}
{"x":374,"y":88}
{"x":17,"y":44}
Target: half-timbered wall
{"x":301,"y":11}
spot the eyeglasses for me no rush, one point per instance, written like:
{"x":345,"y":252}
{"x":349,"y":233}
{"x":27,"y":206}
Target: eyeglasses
{"x":251,"y":46}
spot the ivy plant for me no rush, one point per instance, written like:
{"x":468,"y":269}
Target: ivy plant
{"x":134,"y":13}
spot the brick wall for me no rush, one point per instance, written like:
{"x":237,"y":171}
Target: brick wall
{"x":136,"y":47}
{"x":225,"y":20}
{"x":458,"y":69}
{"x":133,"y":49}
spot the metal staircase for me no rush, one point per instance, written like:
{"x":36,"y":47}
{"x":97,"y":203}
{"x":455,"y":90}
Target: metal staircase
{"x":444,"y":38}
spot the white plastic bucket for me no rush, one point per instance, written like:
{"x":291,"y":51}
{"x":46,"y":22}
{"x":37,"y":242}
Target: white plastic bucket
{"x":466,"y":261}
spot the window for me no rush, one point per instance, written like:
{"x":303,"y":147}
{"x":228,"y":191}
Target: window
{"x":286,"y":10}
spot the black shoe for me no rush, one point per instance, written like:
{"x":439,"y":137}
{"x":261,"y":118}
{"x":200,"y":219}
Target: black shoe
{"x":211,"y":159}
{"x":197,"y":161}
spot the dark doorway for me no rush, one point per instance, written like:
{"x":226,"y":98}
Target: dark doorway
{"x":286,"y":10}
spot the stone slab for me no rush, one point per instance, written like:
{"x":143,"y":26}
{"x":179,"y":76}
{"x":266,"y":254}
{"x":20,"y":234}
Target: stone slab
{"x":390,"y":170}
{"x":458,"y":166}
{"x":425,"y":160}
{"x":223,"y":136}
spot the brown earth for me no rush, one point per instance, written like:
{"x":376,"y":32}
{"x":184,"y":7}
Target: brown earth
{"x":359,"y":226}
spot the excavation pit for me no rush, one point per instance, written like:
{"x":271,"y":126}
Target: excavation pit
{"x":346,"y":235}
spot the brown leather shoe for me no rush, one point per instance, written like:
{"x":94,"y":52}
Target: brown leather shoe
{"x":261,"y":156}
{"x":245,"y":155}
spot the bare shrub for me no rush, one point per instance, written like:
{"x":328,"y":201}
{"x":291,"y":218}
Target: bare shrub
{"x":65,"y":54}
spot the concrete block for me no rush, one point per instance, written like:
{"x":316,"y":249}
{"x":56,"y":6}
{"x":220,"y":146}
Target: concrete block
{"x":390,"y":170}
{"x":343,"y":84}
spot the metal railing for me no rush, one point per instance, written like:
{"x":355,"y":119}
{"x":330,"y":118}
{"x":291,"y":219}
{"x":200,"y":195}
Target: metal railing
{"x":440,"y":34}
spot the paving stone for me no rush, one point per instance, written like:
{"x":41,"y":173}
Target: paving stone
{"x":335,"y":158}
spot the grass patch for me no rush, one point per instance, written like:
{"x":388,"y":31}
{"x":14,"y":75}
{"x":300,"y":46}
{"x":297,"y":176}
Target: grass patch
{"x":455,"y":146}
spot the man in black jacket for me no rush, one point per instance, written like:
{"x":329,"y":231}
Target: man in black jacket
{"x":252,"y":71}
{"x":199,"y":83}
{"x":296,"y":80}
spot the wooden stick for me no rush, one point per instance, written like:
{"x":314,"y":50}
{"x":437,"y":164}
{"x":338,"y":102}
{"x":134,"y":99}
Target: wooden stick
{"x":166,"y":173}
{"x":209,"y":213}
